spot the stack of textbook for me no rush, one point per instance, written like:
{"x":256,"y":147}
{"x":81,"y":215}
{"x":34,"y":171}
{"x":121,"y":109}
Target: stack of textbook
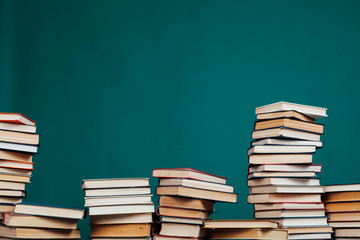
{"x":342,"y":203}
{"x":187,"y":198}
{"x":18,"y":143}
{"x":244,"y":229}
{"x":282,"y":178}
{"x":119,"y":208}
{"x":33,"y":221}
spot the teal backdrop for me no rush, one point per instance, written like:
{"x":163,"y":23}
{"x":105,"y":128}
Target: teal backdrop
{"x":119,"y":88}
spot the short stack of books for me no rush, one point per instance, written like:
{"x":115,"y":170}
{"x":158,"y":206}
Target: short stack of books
{"x":282,"y":178}
{"x":18,"y":143}
{"x":244,"y":229}
{"x":119,"y":208}
{"x":342,"y":203}
{"x":187,"y":197}
{"x":33,"y":221}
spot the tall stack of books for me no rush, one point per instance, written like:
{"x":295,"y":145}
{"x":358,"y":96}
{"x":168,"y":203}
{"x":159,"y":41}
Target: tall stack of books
{"x":187,"y":197}
{"x":244,"y":229}
{"x":33,"y":221}
{"x":18,"y":143}
{"x":282,"y":178}
{"x":119,"y":208}
{"x":342,"y":203}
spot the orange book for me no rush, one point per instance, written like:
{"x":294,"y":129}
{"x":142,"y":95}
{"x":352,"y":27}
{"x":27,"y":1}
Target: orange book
{"x":16,"y":118}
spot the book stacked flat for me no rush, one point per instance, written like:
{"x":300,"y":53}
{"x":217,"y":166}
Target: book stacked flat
{"x":244,"y":229}
{"x":342,"y":203}
{"x":187,"y":197}
{"x":18,"y":143}
{"x":33,"y":221}
{"x":119,"y":208}
{"x":282,"y":177}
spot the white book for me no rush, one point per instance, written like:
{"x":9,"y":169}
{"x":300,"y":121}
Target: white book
{"x":285,"y":168}
{"x":297,"y":222}
{"x":283,"y":181}
{"x":290,"y":213}
{"x":277,"y":206}
{"x":281,"y":174}
{"x":280,"y":149}
{"x":285,"y":133}
{"x":18,"y":147}
{"x":310,"y":236}
{"x":290,"y":142}
{"x":115,"y":183}
{"x":117,"y":191}
{"x":345,"y":224}
{"x":287,"y":189}
{"x":121,"y":209}
{"x":342,"y":188}
{"x":196,"y":184}
{"x":117,"y":200}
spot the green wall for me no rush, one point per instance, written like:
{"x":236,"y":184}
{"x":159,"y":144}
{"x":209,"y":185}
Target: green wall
{"x":121,"y":87}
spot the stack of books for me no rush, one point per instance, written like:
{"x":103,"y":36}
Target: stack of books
{"x":187,"y":197}
{"x":18,"y":143}
{"x":33,"y":221}
{"x":244,"y":229}
{"x":342,"y":203}
{"x":119,"y":208}
{"x":283,"y":181}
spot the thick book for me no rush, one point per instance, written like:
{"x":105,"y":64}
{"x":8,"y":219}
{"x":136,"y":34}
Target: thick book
{"x":16,"y":118}
{"x":12,"y":193}
{"x":280,"y":206}
{"x":280,"y":159}
{"x":287,"y":189}
{"x":38,"y":233}
{"x":281,"y":174}
{"x":341,"y":196}
{"x":285,"y":168}
{"x":343,"y":207}
{"x":121,"y":219}
{"x":288,"y":142}
{"x":179,"y":230}
{"x":16,"y":171}
{"x":302,"y":222}
{"x":17,"y":127}
{"x":31,"y":149}
{"x":185,"y":202}
{"x":343,"y":216}
{"x":115,"y":183}
{"x":282,"y":132}
{"x":121,"y":230}
{"x":185,"y":220}
{"x":10,"y":200}
{"x":7,"y":208}
{"x":342,"y":188}
{"x":12,"y":185}
{"x":15,"y":156}
{"x":213,"y":224}
{"x":312,"y":229}
{"x":117,"y":200}
{"x":117,"y":191}
{"x":282,"y":181}
{"x":249,"y":234}
{"x":49,"y":211}
{"x":11,"y":177}
{"x":284,"y":114}
{"x":281,"y":149}
{"x":290,"y":123}
{"x":311,"y":111}
{"x":18,"y":137}
{"x":121,"y":209}
{"x":196,"y":193}
{"x":285,"y":197}
{"x":195,"y":184}
{"x":290,"y":213}
{"x":187,"y":173}
{"x":182,"y":212}
{"x":19,"y":220}
{"x":347,"y":233}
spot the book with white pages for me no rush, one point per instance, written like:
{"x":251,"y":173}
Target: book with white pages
{"x":282,"y":181}
{"x":287,"y":189}
{"x":195,"y":184}
{"x":115,"y":183}
{"x":285,"y":168}
{"x":311,"y":236}
{"x":121,"y":219}
{"x":297,"y":222}
{"x":281,"y":174}
{"x":32,"y":149}
{"x":348,"y":224}
{"x":342,"y":188}
{"x":282,"y":132}
{"x":121,"y":209}
{"x":279,"y":206}
{"x":289,"y":142}
{"x":290,"y":213}
{"x":117,"y":191}
{"x":279,"y":149}
{"x":172,"y":219}
{"x":118,"y":200}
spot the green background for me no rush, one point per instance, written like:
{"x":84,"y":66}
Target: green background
{"x":119,"y":88}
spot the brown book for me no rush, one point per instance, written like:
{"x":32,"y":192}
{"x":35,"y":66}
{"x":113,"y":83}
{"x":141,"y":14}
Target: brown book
{"x":14,"y":178}
{"x":290,"y":123}
{"x":7,"y":207}
{"x":19,"y":220}
{"x":343,"y":216}
{"x":343,"y":207}
{"x":38,"y":233}
{"x":121,"y":230}
{"x":284,"y":197}
{"x":280,"y":158}
{"x":18,"y":137}
{"x":342,"y":197}
{"x":182,"y":212}
{"x":15,"y":156}
{"x":190,"y":203}
{"x":284,"y":114}
{"x":249,"y":234}
{"x":10,"y":200}
{"x":196,"y":193}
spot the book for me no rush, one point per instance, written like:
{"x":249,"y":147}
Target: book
{"x":16,"y":171}
{"x":16,"y":164}
{"x":282,"y":181}
{"x":343,"y":216}
{"x":185,"y":202}
{"x":290,"y":123}
{"x":249,"y":234}
{"x":18,"y":137}
{"x":187,"y":173}
{"x":115,"y":183}
{"x":31,"y":149}
{"x":160,"y":237}
{"x":38,"y":233}
{"x":281,"y":174}
{"x":302,"y":236}
{"x":121,"y":219}
{"x":12,"y":185}
{"x":284,"y":114}
{"x":343,"y":207}
{"x":286,"y":142}
{"x":16,"y":118}
{"x":10,"y":200}
{"x":287,"y":189}
{"x":121,"y":209}
{"x":6,"y":208}
{"x":117,"y":200}
{"x":310,"y":111}
{"x":121,"y":230}
{"x":240,"y":224}
{"x":12,"y":193}
{"x":341,"y":196}
{"x":195,"y":184}
{"x":182,"y":212}
{"x":284,"y":197}
{"x":280,"y":159}
{"x":31,"y":221}
{"x":297,"y":222}
{"x":17,"y":127}
{"x":285,"y":168}
{"x":290,"y":213}
{"x":280,"y":149}
{"x":49,"y":211}
{"x":116,"y":191}
{"x":179,"y":230}
{"x":282,"y":132}
{"x":15,"y":156}
{"x":280,"y":206}
{"x":315,"y":229}
{"x":11,"y":177}
{"x":345,"y":224}
{"x":347,"y":232}
{"x":342,"y":188}
{"x":186,"y":220}
{"x":196,"y":193}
